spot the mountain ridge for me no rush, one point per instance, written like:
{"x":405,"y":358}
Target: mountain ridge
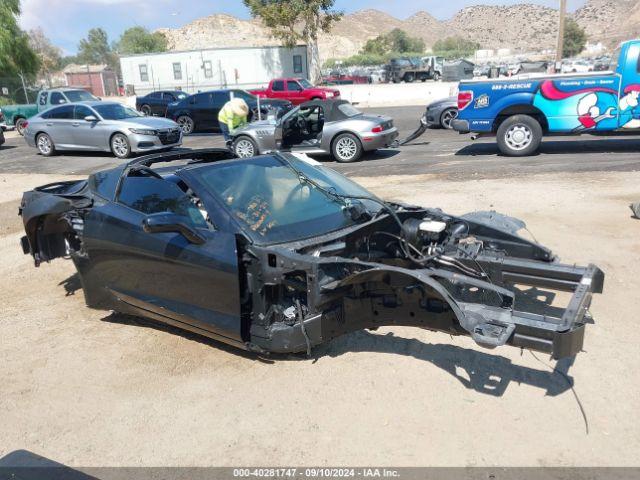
{"x":492,"y":26}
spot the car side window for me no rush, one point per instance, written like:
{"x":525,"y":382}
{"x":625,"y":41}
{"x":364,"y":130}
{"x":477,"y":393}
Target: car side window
{"x":168,"y":97}
{"x":62,"y":113}
{"x":81,"y":111}
{"x":150,"y":195}
{"x":155,"y":95}
{"x":219,"y":99}
{"x":278,"y":86}
{"x":293,"y":86}
{"x":57,"y":98}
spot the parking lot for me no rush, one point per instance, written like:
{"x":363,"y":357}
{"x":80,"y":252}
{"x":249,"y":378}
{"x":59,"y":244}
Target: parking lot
{"x":437,"y":152}
{"x":87,"y":388}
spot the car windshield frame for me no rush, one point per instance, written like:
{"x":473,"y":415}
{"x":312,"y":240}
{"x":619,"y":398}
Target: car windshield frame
{"x":99,"y":110}
{"x":70,"y":93}
{"x":321,"y":215}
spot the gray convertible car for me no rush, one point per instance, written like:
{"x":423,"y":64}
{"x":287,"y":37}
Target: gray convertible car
{"x":102,"y":127}
{"x":332,"y":127}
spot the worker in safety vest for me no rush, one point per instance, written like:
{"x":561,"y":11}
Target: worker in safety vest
{"x":232,"y":116}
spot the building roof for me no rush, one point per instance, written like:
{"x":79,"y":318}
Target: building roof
{"x":75,"y":68}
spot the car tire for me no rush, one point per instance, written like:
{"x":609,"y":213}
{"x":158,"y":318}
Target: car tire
{"x":519,"y":136}
{"x":245,"y":147}
{"x":346,"y":148}
{"x":45,"y":145}
{"x":409,"y":77}
{"x":120,"y":145}
{"x":447,"y":117}
{"x":146,"y":110}
{"x":187,"y":125}
{"x":21,"y":126}
{"x":436,"y":76}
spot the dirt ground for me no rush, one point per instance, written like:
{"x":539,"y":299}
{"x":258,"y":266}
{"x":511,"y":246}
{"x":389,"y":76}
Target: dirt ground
{"x":86,"y":388}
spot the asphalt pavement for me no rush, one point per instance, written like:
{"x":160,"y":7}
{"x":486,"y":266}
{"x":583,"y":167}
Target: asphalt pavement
{"x":444,"y":153}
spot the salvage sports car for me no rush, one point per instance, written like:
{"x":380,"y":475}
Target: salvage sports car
{"x":279,"y":254}
{"x":332,"y":127}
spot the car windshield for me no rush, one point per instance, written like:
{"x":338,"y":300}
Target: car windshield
{"x":267,"y":195}
{"x":116,"y":111}
{"x":79,"y":96}
{"x":305,"y":83}
{"x":180,"y":95}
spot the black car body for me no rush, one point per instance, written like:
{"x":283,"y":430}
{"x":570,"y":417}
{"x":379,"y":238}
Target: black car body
{"x":279,"y":254}
{"x":155,"y":103}
{"x":200,"y":111}
{"x":2,"y":140}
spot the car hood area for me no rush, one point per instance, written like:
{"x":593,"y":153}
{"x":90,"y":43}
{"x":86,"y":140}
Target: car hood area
{"x":149,"y":122}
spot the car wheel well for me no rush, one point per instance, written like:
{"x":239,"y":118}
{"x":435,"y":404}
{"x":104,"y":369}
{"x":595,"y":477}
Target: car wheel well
{"x":114,"y":134}
{"x":524,"y":109}
{"x":333,"y":140}
{"x":40,"y":133}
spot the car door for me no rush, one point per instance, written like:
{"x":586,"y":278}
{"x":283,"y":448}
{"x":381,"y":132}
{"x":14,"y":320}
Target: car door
{"x":294,"y":92}
{"x":201,"y":110}
{"x":59,"y":126}
{"x":218,"y":101}
{"x":161,"y":108}
{"x":163,"y":275}
{"x":88,"y":135}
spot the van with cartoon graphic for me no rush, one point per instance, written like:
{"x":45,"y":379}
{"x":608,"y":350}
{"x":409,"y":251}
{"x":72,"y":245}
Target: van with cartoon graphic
{"x":521,"y":110}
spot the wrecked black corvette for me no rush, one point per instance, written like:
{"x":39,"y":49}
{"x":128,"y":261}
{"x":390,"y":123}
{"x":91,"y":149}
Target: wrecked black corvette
{"x":279,"y":254}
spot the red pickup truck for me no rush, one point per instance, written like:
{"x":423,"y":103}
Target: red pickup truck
{"x":296,"y":90}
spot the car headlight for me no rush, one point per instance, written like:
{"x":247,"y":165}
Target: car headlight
{"x":142,"y":131}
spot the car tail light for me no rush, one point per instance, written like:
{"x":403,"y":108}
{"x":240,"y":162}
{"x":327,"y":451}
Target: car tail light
{"x":25,"y":124}
{"x":377,"y":129}
{"x":464,"y":99}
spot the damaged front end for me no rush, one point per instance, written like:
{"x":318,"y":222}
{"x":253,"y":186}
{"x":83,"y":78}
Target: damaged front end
{"x":470,"y":275}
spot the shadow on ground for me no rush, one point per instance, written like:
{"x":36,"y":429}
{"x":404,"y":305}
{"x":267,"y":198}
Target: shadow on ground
{"x":561,"y":147}
{"x":480,"y":370}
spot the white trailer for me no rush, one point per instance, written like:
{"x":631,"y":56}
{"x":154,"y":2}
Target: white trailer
{"x":210,"y":69}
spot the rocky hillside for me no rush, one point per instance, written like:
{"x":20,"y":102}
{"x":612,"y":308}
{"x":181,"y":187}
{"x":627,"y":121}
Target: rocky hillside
{"x":522,"y":27}
{"x":610,"y":21}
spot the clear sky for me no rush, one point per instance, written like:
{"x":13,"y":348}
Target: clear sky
{"x":65,"y":22}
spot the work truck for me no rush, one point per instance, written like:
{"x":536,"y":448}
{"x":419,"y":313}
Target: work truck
{"x":295,"y":90}
{"x":520,"y":110}
{"x":17,"y":115}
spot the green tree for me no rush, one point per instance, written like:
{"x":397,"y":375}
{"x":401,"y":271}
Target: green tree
{"x":294,"y":21}
{"x":401,"y":42}
{"x":575,"y":38}
{"x":455,"y":47}
{"x":140,"y":40}
{"x":48,"y":54}
{"x":396,"y":41}
{"x":95,"y":49}
{"x":16,"y":55}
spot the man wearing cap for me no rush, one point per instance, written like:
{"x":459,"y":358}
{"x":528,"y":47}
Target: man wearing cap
{"x":232,"y":116}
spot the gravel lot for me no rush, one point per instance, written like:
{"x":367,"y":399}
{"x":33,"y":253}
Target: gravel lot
{"x":88,"y":388}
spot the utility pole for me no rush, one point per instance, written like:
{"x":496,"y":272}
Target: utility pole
{"x":560,"y":45}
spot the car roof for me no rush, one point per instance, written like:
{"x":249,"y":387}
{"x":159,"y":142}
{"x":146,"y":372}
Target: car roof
{"x":330,"y":107}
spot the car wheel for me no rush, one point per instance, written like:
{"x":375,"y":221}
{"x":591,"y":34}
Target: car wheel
{"x":346,"y":148}
{"x":436,"y":76}
{"x":186,"y":124}
{"x":45,"y":145}
{"x":449,"y":115}
{"x":120,"y":146}
{"x":519,"y":136}
{"x":245,"y":147}
{"x":21,"y":125}
{"x":409,"y":78}
{"x":146,"y":110}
